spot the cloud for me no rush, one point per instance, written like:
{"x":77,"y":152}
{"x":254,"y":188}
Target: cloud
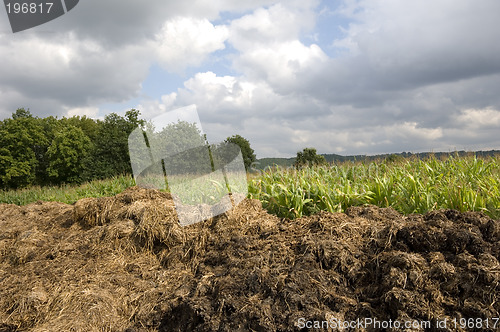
{"x":425,"y":42}
{"x":402,"y":84}
{"x":90,"y":112}
{"x":230,"y":105}
{"x":269,"y":45}
{"x":381,"y":76}
{"x":152,"y":107}
{"x":282,"y":22}
{"x":220,"y":99}
{"x":279,"y":65}
{"x":476,"y":120}
{"x":101,"y":52}
{"x":115,"y":23}
{"x":68,"y":72}
{"x":185,"y":41}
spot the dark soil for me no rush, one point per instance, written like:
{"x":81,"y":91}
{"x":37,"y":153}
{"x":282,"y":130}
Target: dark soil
{"x":124,"y":263}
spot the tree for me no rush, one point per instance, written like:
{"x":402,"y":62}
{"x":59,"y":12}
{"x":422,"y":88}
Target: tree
{"x":393,"y":158}
{"x":246,"y":151}
{"x":308,"y":157}
{"x":182,"y":147}
{"x":49,"y":150}
{"x":21,"y":113}
{"x":22,"y":141}
{"x":133,"y":120}
{"x":89,"y":126}
{"x":110,"y":155}
{"x":66,"y":155}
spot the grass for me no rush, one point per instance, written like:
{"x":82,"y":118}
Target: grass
{"x":409,"y":186}
{"x":67,"y":193}
{"x":191,"y":189}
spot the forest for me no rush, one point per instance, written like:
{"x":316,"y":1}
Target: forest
{"x":48,"y":151}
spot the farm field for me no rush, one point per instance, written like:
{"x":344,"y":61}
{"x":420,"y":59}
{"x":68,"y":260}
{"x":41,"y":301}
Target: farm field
{"x":410,"y":240}
{"x":409,"y":186}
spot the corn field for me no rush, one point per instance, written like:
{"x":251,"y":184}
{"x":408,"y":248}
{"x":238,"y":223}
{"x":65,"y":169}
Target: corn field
{"x":409,"y":186}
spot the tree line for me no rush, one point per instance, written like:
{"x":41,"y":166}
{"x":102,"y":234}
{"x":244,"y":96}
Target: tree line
{"x":52,"y":151}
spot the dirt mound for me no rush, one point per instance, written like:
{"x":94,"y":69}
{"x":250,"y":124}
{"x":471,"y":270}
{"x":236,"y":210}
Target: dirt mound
{"x":124,"y":263}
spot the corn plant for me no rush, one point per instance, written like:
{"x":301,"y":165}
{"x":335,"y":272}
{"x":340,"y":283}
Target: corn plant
{"x":409,"y":186}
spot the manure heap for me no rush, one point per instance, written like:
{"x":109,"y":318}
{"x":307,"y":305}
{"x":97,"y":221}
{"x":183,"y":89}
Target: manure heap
{"x":123,"y":263}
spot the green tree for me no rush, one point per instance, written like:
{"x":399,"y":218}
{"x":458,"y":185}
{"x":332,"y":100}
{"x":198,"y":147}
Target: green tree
{"x":22,"y":142}
{"x":21,"y":113}
{"x":180,"y":145}
{"x":393,"y":158}
{"x":67,"y":153}
{"x":110,"y":155}
{"x":89,"y":126}
{"x":50,"y":126}
{"x":49,"y":150}
{"x":308,"y":157}
{"x":246,"y":151}
{"x":133,"y":120}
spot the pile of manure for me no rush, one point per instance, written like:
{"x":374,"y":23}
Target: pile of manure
{"x":124,"y":263}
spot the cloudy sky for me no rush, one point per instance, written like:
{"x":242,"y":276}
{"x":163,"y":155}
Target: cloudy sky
{"x":343,"y":76}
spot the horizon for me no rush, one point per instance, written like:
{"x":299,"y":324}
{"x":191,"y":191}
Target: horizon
{"x":391,"y":153}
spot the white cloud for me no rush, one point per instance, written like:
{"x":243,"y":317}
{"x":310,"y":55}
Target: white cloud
{"x":221,"y":100}
{"x":211,"y":86}
{"x":185,"y":41}
{"x":474,"y":119}
{"x":270,"y":46}
{"x":152,"y":108}
{"x":220,"y":96}
{"x":90,"y":112}
{"x":411,"y":131}
{"x":280,"y":63}
{"x":277,"y":24}
{"x":115,"y":23}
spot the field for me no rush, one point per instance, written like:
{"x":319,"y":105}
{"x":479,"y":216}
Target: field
{"x":409,"y":186}
{"x":407,"y":241}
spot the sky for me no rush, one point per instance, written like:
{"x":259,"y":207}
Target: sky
{"x":343,"y":76}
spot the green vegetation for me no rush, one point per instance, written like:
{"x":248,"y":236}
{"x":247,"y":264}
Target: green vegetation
{"x":50,"y":151}
{"x":69,"y":148}
{"x":67,"y":193}
{"x":180,"y":147}
{"x":265,"y":163}
{"x":308,"y":158}
{"x":409,"y":186}
{"x":110,"y":156}
{"x":247,"y":152}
